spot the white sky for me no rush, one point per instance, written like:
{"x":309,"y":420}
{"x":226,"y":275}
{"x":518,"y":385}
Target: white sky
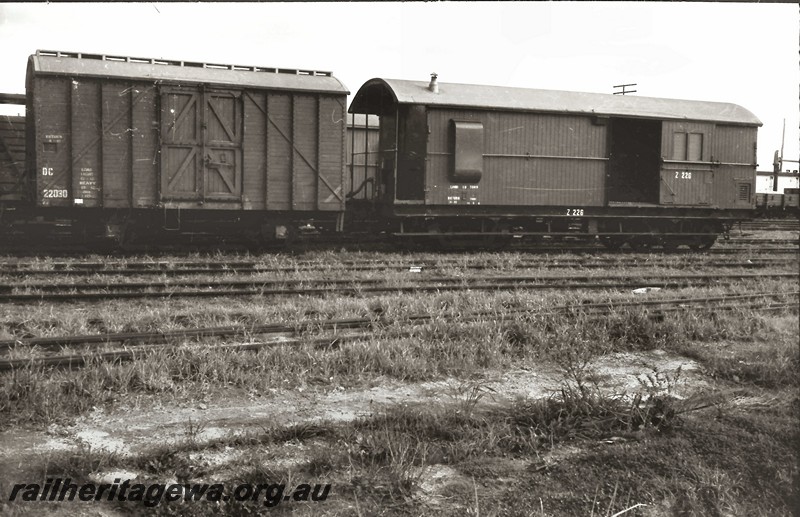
{"x":746,"y":54}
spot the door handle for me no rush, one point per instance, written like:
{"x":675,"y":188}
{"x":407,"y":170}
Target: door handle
{"x":212,"y":164}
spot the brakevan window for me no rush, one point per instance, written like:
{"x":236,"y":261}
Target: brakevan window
{"x":466,"y":146}
{"x":687,"y":146}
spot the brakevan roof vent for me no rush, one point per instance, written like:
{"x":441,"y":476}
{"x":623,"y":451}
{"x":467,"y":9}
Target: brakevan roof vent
{"x":434,"y":86}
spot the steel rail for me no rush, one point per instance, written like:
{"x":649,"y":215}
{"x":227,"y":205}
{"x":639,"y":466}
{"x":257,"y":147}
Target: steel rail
{"x":351,"y":286}
{"x":150,"y":337}
{"x":441,"y":264}
{"x":77,"y":360}
{"x":372,"y":281}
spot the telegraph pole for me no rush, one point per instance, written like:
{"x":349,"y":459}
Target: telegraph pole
{"x":777,"y":163}
{"x":624,"y":91}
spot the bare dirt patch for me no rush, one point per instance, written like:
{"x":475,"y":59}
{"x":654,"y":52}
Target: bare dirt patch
{"x":131,"y":431}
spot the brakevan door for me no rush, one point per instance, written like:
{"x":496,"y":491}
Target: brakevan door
{"x":686,"y":171}
{"x":201,"y":145}
{"x":687,"y":185}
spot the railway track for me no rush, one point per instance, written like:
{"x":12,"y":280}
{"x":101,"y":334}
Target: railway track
{"x":254,"y":267}
{"x":766,"y":240}
{"x":136,"y":344}
{"x":273,"y":264}
{"x":789,"y":224}
{"x":55,"y":292}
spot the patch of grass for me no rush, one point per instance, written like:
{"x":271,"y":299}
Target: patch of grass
{"x":768,"y":359}
{"x":441,"y":347}
{"x":707,"y":464}
{"x":733,"y":464}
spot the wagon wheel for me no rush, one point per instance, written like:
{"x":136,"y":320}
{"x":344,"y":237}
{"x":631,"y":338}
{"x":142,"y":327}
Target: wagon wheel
{"x":641,"y":244}
{"x":438,"y":237}
{"x":612,"y":242}
{"x":127,"y":237}
{"x":498,"y":242}
{"x":704,"y":242}
{"x":669,"y":244}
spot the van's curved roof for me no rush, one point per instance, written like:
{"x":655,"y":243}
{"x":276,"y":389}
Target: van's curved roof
{"x":378,"y":90}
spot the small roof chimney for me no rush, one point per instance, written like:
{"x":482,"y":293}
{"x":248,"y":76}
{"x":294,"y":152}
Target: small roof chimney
{"x":434,"y":86}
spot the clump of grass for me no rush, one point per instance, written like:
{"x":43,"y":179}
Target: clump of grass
{"x":390,"y":457}
{"x":745,"y":346}
{"x":636,"y":330}
{"x":578,"y":412}
{"x":769,"y":363}
{"x":80,"y":463}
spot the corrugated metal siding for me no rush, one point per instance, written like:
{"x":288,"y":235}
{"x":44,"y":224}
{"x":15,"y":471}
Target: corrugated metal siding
{"x":52,"y":136}
{"x":529,"y":159}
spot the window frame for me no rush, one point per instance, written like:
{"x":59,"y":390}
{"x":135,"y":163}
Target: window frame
{"x":683,"y":145}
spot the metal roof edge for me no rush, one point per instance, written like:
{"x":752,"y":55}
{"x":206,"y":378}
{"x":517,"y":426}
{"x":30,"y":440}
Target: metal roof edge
{"x":50,"y":63}
{"x":400,"y":90}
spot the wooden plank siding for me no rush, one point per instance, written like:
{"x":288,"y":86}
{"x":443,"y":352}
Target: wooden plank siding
{"x":529,"y":159}
{"x":279,"y":152}
{"x":331,"y":189}
{"x":116,"y":144}
{"x":306,"y":139}
{"x":254,"y":153}
{"x":13,"y":185}
{"x":50,"y":122}
{"x":734,"y":147}
{"x":144,"y":145}
{"x":727,"y":161}
{"x":87,"y":134}
{"x":103,"y":141}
